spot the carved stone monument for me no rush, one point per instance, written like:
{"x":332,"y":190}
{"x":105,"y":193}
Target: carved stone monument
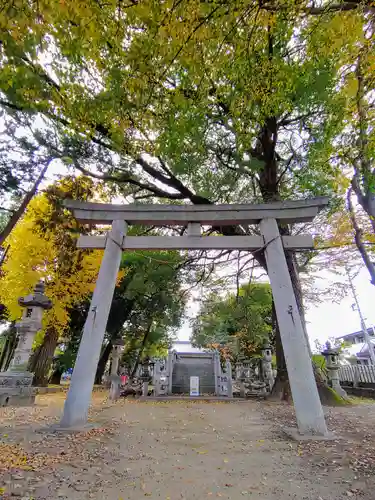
{"x":15,"y":384}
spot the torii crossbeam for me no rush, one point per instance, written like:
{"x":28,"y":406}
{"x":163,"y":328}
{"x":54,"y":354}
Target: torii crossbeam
{"x":310,"y":418}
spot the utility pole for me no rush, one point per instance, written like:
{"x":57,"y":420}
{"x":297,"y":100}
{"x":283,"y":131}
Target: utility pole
{"x":370,"y":345}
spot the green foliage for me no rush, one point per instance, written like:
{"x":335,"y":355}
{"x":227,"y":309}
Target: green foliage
{"x":201,"y":85}
{"x":153,"y":285}
{"x":146,"y":310}
{"x":237,"y":325}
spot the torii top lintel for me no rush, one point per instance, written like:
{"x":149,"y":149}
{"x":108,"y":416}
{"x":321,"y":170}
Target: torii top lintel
{"x":223,"y":215}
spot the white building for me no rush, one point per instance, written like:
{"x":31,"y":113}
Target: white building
{"x":357,"y":352}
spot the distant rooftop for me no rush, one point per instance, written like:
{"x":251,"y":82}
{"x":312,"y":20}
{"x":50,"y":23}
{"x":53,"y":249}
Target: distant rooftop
{"x":359,"y":333}
{"x":184,"y":346}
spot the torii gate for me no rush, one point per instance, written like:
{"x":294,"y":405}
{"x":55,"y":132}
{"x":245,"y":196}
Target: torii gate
{"x":309,"y":413}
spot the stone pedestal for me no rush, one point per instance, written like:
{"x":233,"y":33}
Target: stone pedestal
{"x":16,"y":389}
{"x":145,"y":389}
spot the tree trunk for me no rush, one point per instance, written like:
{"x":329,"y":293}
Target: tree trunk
{"x":13,"y":342}
{"x":281,"y":388}
{"x":41,"y":360}
{"x":102,"y":363}
{"x":294,"y":276}
{"x":5,"y":351}
{"x":55,"y":378}
{"x":366,"y":258}
{"x":142,"y":348}
{"x":19,"y":212}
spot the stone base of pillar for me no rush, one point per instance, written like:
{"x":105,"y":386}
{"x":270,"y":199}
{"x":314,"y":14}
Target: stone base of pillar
{"x":335,"y":384}
{"x":56,"y":428}
{"x":16,"y":389}
{"x":293,"y":433}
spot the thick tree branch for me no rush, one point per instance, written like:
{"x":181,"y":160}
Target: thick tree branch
{"x":125,"y":178}
{"x":21,"y":209}
{"x":358,"y":238}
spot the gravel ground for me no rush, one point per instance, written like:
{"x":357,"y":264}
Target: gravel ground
{"x":184,"y":450}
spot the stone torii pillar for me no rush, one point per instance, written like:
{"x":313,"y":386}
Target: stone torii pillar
{"x":79,"y":396}
{"x":309,"y":412}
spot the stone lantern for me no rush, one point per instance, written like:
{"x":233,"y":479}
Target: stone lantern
{"x":115,"y":379}
{"x":15,"y":384}
{"x":333,"y":366}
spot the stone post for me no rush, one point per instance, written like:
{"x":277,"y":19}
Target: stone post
{"x":356,"y":376}
{"x":309,"y":411}
{"x":217,"y":373}
{"x":115,"y":379}
{"x":15,"y":384}
{"x":79,"y":396}
{"x":267,"y":372}
{"x":241,"y":379}
{"x":171,"y":357}
{"x":228,"y":372}
{"x":333,"y":367}
{"x":156,"y":378}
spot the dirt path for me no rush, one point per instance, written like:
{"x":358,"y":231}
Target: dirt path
{"x":182,"y":451}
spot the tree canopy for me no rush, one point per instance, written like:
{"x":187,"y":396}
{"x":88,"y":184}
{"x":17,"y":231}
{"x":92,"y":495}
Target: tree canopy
{"x":237,"y":324}
{"x":232,"y":100}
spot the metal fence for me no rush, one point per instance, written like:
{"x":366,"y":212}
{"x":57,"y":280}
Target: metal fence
{"x":357,"y":374}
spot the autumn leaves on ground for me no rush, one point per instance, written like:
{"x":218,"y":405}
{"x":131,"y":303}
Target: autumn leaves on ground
{"x":183,"y":450}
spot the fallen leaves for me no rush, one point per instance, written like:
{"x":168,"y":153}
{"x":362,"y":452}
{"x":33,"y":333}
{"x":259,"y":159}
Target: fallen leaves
{"x":354,"y":451}
{"x":14,"y":456}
